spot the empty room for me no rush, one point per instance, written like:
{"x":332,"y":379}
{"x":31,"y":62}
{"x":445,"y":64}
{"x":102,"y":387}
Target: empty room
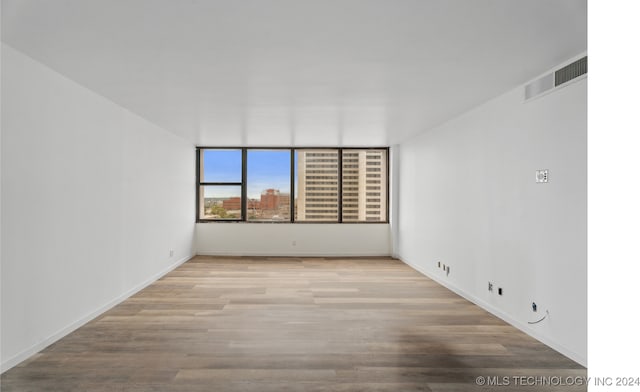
{"x":286,"y":195}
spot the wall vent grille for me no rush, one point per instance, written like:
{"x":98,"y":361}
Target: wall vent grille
{"x":571,"y":71}
{"x":554,"y":79}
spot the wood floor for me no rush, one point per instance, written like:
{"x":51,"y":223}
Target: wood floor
{"x":292,"y":324}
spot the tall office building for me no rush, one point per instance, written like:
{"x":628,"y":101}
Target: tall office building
{"x":364,"y":185}
{"x":317,"y":188}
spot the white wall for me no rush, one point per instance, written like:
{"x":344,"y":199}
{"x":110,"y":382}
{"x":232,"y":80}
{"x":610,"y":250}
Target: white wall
{"x":265,"y":239}
{"x":468,"y":198}
{"x":93,"y":199}
{"x":1,"y":55}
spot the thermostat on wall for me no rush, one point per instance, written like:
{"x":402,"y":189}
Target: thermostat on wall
{"x":542,"y":175}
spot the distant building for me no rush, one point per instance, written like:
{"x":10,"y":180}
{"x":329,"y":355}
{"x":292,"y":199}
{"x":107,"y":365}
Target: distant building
{"x":253,"y":204}
{"x":317,"y":196}
{"x":232,"y":203}
{"x":270,"y":199}
{"x":271,"y":202}
{"x":273,"y":205}
{"x":364,"y":185}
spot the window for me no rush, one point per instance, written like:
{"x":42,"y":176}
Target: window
{"x":356,"y":194}
{"x":268,"y":185}
{"x":333,"y":185}
{"x":316,"y":201}
{"x":220,"y":184}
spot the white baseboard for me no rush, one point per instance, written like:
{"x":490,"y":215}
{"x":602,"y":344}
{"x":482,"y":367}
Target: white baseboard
{"x":16,"y":359}
{"x":292,"y":254}
{"x":505,"y":317}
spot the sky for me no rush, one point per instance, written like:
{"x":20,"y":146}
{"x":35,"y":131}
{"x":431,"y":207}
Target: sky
{"x":266,"y":169}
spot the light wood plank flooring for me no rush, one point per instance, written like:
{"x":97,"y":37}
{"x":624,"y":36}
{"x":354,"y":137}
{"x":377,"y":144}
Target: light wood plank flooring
{"x":291,"y":324}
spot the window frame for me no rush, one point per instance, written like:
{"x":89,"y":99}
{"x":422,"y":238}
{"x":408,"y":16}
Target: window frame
{"x":292,"y":218}
{"x":241,"y":184}
{"x":245,"y":154}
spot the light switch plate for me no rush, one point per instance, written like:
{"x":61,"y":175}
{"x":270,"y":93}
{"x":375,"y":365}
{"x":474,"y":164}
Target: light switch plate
{"x":542,"y":175}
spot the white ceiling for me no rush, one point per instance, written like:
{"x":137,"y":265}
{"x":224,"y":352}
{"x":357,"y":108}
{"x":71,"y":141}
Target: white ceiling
{"x":297,"y":72}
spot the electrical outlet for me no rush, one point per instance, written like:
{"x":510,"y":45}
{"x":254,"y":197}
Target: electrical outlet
{"x":542,"y":175}
{"x":438,"y":264}
{"x":534,"y":307}
{"x":499,"y":290}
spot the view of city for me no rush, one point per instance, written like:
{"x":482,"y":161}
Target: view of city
{"x":316,"y":179}
{"x":272,"y":205}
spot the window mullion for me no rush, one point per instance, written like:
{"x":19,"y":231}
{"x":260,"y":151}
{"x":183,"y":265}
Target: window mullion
{"x":340,"y":185}
{"x":292,"y":197}
{"x":243,"y":199}
{"x":198,"y":178}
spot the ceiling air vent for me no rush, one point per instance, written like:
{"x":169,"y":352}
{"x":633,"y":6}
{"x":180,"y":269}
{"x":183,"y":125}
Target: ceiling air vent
{"x":571,"y":71}
{"x":555,"y":79}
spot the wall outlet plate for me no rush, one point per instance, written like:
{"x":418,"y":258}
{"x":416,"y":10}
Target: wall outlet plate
{"x":542,"y":175}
